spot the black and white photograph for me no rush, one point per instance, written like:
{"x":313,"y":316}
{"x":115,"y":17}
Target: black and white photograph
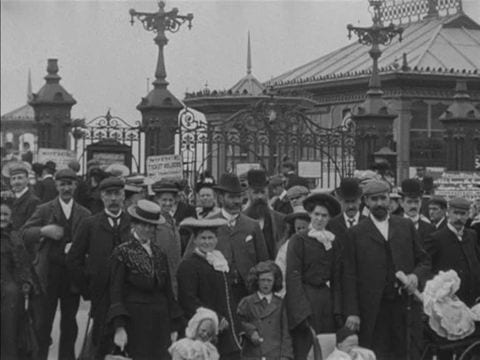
{"x":240,"y":179}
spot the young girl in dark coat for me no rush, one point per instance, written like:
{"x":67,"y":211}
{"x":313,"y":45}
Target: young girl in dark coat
{"x":263,"y":316}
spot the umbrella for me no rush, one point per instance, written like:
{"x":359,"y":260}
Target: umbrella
{"x":27,"y":337}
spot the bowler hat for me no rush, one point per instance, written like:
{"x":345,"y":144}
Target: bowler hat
{"x":298,"y":213}
{"x":411,"y":188}
{"x":66,"y":174}
{"x":333,"y":206}
{"x":163,"y":186}
{"x":438,"y":200}
{"x":257,"y":178}
{"x":146,"y":211}
{"x":111,"y":183}
{"x":349,"y":189}
{"x":459,"y":203}
{"x":229,"y":183}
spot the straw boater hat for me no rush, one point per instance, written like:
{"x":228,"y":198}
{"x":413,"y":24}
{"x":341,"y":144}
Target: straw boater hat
{"x":194,"y":224}
{"x":146,"y":211}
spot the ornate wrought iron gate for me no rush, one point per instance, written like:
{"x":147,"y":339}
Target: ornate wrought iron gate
{"x":268,"y":134}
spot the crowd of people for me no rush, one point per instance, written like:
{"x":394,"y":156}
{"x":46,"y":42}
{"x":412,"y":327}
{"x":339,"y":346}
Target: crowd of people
{"x":254,"y":268}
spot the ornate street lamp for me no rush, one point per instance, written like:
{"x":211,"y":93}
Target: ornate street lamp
{"x":160,"y":22}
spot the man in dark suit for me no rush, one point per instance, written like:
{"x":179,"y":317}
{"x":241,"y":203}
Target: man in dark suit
{"x":411,"y":202}
{"x":181,"y":209}
{"x":349,"y":194}
{"x":46,"y":188}
{"x":271,"y":222}
{"x":374,"y":302}
{"x":241,"y":241}
{"x":25,"y":201}
{"x":50,"y":232}
{"x":437,"y":211}
{"x":93,"y":244}
{"x":455,"y":247}
{"x":279,"y":202}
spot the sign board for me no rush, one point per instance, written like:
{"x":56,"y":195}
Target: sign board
{"x":60,"y":157}
{"x":106,"y":159}
{"x":315,"y":169}
{"x":459,"y":184}
{"x":165,"y":167}
{"x":243,"y":168}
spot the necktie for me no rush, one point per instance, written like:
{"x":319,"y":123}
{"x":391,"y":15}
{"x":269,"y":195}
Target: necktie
{"x":115,"y":221}
{"x":351,"y":222}
{"x":264,"y":303}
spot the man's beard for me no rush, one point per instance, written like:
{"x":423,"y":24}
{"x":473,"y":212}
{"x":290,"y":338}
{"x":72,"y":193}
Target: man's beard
{"x":379,"y":212}
{"x":258,"y":209}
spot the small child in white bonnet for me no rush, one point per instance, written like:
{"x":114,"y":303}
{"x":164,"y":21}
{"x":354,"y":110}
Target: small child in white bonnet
{"x":201,"y":330}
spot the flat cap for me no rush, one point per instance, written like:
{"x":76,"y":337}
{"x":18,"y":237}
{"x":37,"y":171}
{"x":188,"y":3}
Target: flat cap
{"x":17,"y":168}
{"x":374,"y":187}
{"x":296,"y":191}
{"x":164,"y":186}
{"x":111,"y":183}
{"x":66,"y":174}
{"x":459,"y":203}
{"x":276,"y":180}
{"x":438,"y":200}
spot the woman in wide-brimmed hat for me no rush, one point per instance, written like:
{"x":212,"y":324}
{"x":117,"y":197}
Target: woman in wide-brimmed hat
{"x":143,"y":312}
{"x":313,"y":264}
{"x":204,"y":281}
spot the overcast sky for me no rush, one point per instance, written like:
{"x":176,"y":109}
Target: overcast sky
{"x":105,"y":62}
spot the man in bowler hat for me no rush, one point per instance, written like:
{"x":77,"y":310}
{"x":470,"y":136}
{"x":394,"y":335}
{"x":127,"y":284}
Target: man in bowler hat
{"x":88,"y":259}
{"x":349,"y":194}
{"x":455,"y":247}
{"x":241,"y":241}
{"x":374,"y":302}
{"x":271,"y":222}
{"x":50,"y":233}
{"x":411,"y":201}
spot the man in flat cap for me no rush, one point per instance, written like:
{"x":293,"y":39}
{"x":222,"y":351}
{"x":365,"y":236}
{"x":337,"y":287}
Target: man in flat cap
{"x":271,"y":222}
{"x":279,"y":202}
{"x":50,"y":233}
{"x":349,"y":194}
{"x":437,"y":211}
{"x":455,"y":247}
{"x":241,"y":241}
{"x":92,"y":247}
{"x":411,"y":202}
{"x":374,"y":301}
{"x":25,"y":201}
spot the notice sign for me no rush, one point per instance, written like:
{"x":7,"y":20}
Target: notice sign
{"x":59,"y":156}
{"x":243,"y":168}
{"x":165,"y":167}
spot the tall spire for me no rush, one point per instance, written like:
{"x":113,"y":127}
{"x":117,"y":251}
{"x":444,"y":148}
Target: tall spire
{"x":249,"y":56}
{"x":29,"y":86}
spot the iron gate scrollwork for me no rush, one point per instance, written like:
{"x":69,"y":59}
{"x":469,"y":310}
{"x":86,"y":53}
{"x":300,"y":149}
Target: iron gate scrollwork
{"x":113,"y":132}
{"x":267,"y":133}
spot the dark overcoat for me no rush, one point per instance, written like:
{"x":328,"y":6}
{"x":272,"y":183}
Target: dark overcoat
{"x":46,"y":250}
{"x":278,"y":231}
{"x":88,"y":261}
{"x":313,"y":282}
{"x":365,"y":267}
{"x":282,"y":205}
{"x":338,"y":226}
{"x":244,"y":247}
{"x":447,"y":252}
{"x":142,"y":301}
{"x":46,"y":190}
{"x":200,"y":285}
{"x":271,"y":323}
{"x":425,"y":229}
{"x":23,"y":208}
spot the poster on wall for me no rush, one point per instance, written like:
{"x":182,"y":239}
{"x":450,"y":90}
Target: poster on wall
{"x":60,"y":157}
{"x":243,"y":168}
{"x":162,"y":167}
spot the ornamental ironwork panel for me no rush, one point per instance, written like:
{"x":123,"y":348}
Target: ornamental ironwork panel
{"x":111,"y":129}
{"x":267,"y":134}
{"x":408,"y":11}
